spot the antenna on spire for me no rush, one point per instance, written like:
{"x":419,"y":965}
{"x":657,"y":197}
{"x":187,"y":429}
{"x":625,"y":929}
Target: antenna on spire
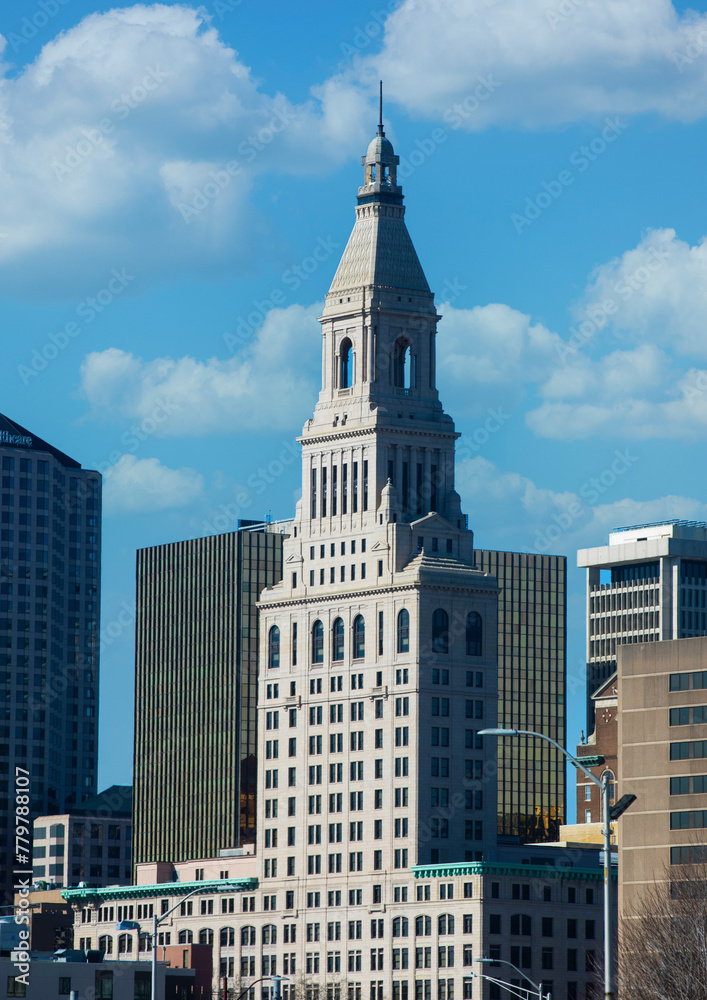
{"x":380,"y":118}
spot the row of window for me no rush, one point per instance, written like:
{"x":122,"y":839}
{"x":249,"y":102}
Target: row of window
{"x":440,"y":637}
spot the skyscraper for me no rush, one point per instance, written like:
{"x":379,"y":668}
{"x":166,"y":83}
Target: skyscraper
{"x":649,"y":583}
{"x":50,"y":509}
{"x":532,"y":643}
{"x":378,"y":647}
{"x":195,"y":691}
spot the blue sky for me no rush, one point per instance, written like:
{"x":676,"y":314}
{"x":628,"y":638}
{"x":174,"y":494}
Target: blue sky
{"x":177,"y":185}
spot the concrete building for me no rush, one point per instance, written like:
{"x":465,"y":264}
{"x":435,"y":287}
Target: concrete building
{"x":50,"y":546}
{"x":532,"y":645}
{"x":538,"y":907}
{"x":196,"y":660}
{"x":648,"y":584}
{"x":662,"y":702}
{"x":71,"y":974}
{"x":92,"y":843}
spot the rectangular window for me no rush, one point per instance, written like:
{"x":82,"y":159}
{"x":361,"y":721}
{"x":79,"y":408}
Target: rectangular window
{"x":365,"y":486}
{"x":354,"y":488}
{"x":314,"y":493}
{"x":344,"y":488}
{"x":324,"y":491}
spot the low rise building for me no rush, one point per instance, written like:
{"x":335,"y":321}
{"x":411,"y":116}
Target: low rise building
{"x":92,"y":843}
{"x":72,"y":973}
{"x":416,"y":933}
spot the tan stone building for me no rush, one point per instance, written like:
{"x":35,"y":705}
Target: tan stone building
{"x":662,"y":700}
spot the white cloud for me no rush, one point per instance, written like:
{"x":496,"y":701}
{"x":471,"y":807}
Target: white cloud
{"x":515,"y":508}
{"x":124,"y":126}
{"x":268,"y":385}
{"x":551,"y":62}
{"x":144,"y":484}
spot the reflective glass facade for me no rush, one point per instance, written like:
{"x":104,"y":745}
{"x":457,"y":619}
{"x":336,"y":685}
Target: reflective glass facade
{"x":532,"y":618}
{"x":195,"y":692}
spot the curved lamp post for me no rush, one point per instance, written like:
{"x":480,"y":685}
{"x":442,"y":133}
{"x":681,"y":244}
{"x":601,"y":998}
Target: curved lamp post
{"x":609,"y":814}
{"x":538,"y":988}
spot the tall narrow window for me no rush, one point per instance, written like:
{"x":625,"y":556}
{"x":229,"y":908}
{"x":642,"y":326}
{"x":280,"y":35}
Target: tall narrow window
{"x":338,"y":640}
{"x":403,"y":631}
{"x":380,"y":633}
{"x":365,"y":486}
{"x":317,"y":642}
{"x":344,"y":488}
{"x":324,"y":486}
{"x":346,"y":364}
{"x":433,"y":487}
{"x":405,"y":485}
{"x":473,"y":634}
{"x":274,"y":647}
{"x":354,"y":488}
{"x":440,"y":631}
{"x":418,"y":488}
{"x":294,"y":644}
{"x":314,"y":493}
{"x":359,"y":637}
{"x":334,"y":489}
{"x":403,"y":365}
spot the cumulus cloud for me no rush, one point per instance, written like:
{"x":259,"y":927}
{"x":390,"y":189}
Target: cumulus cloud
{"x":144,"y":484}
{"x":538,"y":63}
{"x":141,"y":120}
{"x":562,"y":522}
{"x":268,"y":385}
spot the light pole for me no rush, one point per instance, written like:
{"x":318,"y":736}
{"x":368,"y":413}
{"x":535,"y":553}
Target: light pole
{"x":522,"y":992}
{"x":156,"y":921}
{"x":609,"y":814}
{"x":502,"y":961}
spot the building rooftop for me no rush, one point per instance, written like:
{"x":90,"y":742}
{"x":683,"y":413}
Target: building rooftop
{"x":14,"y":435}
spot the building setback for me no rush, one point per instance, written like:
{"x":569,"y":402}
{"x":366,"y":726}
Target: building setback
{"x":195,"y":691}
{"x":50,"y":546}
{"x":648,"y":584}
{"x":532,"y":644}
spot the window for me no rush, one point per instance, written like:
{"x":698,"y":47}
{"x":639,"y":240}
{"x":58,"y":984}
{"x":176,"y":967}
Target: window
{"x":317,"y":642}
{"x":345,"y":364}
{"x":473,"y":634}
{"x":16,"y":988}
{"x":440,"y":631}
{"x":403,"y":631}
{"x":274,"y":647}
{"x":104,"y":986}
{"x":403,"y":365}
{"x":359,"y":637}
{"x":337,"y":637}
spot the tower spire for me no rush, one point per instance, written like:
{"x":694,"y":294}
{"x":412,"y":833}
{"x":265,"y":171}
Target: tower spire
{"x":380,"y":117}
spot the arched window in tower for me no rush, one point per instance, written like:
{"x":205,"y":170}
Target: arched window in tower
{"x":440,"y":631}
{"x":359,"y":638}
{"x":337,"y":640}
{"x":317,"y":642}
{"x":474,"y":634}
{"x":346,"y":364}
{"x":403,"y":365}
{"x":274,"y":647}
{"x":403,"y":631}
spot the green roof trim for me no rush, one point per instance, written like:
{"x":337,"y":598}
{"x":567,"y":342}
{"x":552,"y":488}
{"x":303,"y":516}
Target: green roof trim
{"x":594,"y":761}
{"x":89,"y":894}
{"x":499,"y":868}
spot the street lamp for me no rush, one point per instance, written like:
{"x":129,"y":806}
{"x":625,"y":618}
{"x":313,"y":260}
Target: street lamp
{"x":522,"y":992}
{"x":609,"y":814}
{"x":155,"y":923}
{"x":494,"y":961}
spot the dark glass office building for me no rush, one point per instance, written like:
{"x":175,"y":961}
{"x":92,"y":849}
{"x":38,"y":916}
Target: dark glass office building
{"x":195,"y":691}
{"x":532,"y":619}
{"x":50,"y":550}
